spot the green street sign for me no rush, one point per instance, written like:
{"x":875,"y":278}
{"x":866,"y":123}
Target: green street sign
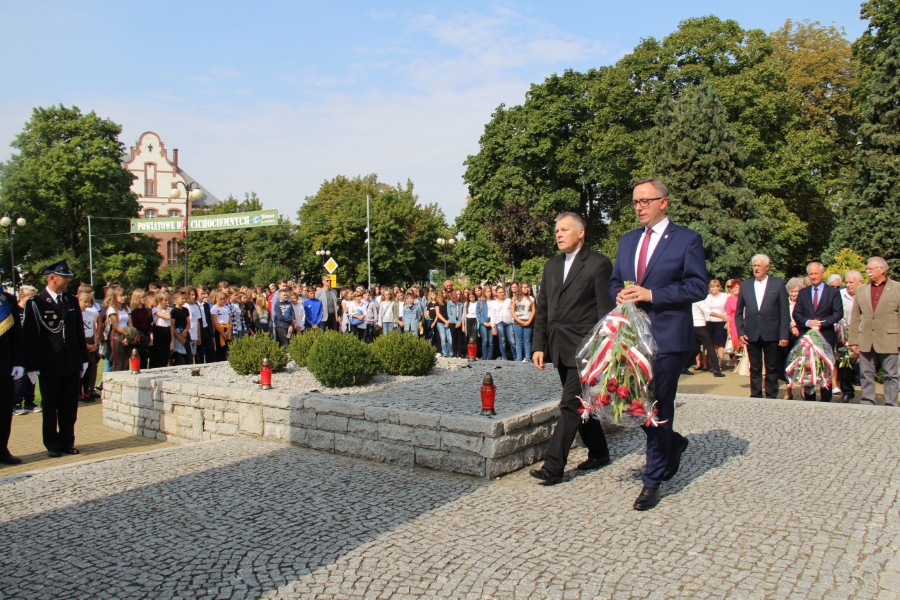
{"x":259,"y":218}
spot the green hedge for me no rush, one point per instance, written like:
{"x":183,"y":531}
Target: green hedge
{"x":245,"y":355}
{"x":341,"y":360}
{"x":403,"y":354}
{"x":301,"y":344}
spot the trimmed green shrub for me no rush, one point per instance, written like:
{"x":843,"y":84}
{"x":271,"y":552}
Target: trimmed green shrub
{"x":341,"y":360}
{"x":301,"y":344}
{"x":245,"y":355}
{"x":403,"y":354}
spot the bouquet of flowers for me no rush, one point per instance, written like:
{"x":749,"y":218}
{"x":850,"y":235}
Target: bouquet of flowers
{"x":810,"y":362}
{"x":616,"y":365}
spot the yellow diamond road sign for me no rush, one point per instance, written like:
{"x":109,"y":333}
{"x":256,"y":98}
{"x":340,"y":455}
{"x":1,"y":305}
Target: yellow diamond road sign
{"x":331,"y":265}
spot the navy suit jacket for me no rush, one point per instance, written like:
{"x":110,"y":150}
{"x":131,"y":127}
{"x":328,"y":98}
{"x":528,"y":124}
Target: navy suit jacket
{"x":830,"y":311}
{"x":675,"y":275}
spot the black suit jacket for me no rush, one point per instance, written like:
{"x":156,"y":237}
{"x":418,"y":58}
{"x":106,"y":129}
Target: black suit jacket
{"x":771,"y":322}
{"x":12,"y":353}
{"x":210,"y":332}
{"x":54,"y":354}
{"x":830,"y":311}
{"x":567,"y":311}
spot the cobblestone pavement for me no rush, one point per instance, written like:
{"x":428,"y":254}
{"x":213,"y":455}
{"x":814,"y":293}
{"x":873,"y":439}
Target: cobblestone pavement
{"x":92,"y":438}
{"x":774,"y":500}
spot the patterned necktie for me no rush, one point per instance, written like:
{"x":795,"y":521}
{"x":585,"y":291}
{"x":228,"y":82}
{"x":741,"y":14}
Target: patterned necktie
{"x":815,"y":298}
{"x":642,"y":257}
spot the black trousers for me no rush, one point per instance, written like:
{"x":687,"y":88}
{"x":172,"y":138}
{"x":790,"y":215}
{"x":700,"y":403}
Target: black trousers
{"x":757,"y":352}
{"x":459,"y":341}
{"x":159,"y":351}
{"x":704,"y":340}
{"x":6,"y":408}
{"x":569,"y":423}
{"x":206,"y":348}
{"x":59,"y":404}
{"x":89,"y":381}
{"x":330,"y":322}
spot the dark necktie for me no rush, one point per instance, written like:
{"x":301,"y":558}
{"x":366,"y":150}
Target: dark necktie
{"x":815,"y":298}
{"x":642,"y":257}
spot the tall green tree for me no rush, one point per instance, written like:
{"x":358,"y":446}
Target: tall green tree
{"x":868,"y":222}
{"x":69,"y":167}
{"x":402,"y":238}
{"x":699,"y":158}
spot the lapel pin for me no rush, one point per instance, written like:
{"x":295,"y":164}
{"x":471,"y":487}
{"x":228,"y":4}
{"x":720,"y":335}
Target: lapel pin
{"x":665,"y":237}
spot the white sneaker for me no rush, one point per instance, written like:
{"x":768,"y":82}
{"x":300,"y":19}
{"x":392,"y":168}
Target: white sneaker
{"x":438,"y":355}
{"x":37,"y":409}
{"x":836,"y":390}
{"x":21,"y":411}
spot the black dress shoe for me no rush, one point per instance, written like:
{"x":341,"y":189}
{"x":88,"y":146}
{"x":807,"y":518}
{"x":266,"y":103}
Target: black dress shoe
{"x":686,"y":372}
{"x":675,"y":460}
{"x":9,"y":459}
{"x":593,"y":463}
{"x":718,"y":374}
{"x":71,"y":451}
{"x":846,"y":398}
{"x":54,"y":453}
{"x":545,"y":476}
{"x":648,"y":498}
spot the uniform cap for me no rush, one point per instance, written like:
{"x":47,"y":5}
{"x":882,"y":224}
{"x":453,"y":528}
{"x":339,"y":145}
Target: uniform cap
{"x":60,"y":268}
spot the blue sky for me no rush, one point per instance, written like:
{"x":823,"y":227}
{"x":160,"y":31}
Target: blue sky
{"x":276,"y":97}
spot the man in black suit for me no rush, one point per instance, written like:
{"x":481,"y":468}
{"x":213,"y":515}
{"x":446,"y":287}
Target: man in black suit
{"x":572,"y":299}
{"x":763,"y":320}
{"x":12,"y":363}
{"x":55,"y":349}
{"x":206,"y":345}
{"x":819,"y":306}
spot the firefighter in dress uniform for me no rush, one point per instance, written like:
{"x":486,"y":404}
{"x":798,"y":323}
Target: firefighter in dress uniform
{"x":12,"y":361}
{"x":56,"y":350}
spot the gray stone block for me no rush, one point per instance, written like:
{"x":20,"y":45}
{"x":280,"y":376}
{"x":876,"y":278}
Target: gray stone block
{"x":277,"y":431}
{"x":548,"y":412}
{"x":382,"y":415}
{"x":427,"y":438}
{"x":347,"y":444}
{"x":321,"y":440}
{"x":517,"y":422}
{"x":458,"y":442}
{"x":299,"y":436}
{"x":303,"y":418}
{"x":328,"y":422}
{"x":472,"y":425}
{"x":380,"y":451}
{"x":362,"y":429}
{"x":250,"y":418}
{"x":417,"y":419}
{"x":276,"y":415}
{"x":505,"y":464}
{"x":324,"y":404}
{"x":397,"y":433}
{"x":500,"y":446}
{"x":467,"y":464}
{"x":430,"y":459}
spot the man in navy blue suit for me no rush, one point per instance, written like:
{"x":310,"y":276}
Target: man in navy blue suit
{"x":820,"y":306}
{"x":668,"y":266}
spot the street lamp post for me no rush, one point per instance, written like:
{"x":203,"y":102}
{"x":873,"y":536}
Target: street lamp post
{"x":323,"y":253}
{"x":192,"y":194}
{"x":8,"y":221}
{"x":443,"y":243}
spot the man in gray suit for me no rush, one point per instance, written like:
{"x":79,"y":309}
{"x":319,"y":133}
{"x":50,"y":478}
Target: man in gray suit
{"x":875,"y":331}
{"x":763,"y":320}
{"x":330,"y":305}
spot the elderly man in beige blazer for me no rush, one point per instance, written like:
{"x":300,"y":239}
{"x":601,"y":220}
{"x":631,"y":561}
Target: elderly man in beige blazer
{"x":875,"y":331}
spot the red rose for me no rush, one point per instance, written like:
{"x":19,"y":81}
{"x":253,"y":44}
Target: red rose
{"x":605,"y":400}
{"x":611,"y":386}
{"x":637,"y":407}
{"x":622,"y":392}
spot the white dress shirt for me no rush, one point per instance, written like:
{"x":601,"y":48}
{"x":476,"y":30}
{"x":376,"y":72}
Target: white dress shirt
{"x":53,"y":295}
{"x":759,"y":287}
{"x":658,"y":232}
{"x":570,"y":259}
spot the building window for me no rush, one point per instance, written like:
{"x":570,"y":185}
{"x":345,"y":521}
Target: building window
{"x":172,"y":253}
{"x":174,"y":213}
{"x":149,"y":214}
{"x":150,"y":180}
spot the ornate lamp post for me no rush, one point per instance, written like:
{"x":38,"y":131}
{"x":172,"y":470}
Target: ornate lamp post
{"x":443,"y":243}
{"x":10,"y":221}
{"x":192,"y":194}
{"x":323,"y":253}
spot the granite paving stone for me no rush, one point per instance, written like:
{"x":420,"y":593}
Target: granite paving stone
{"x":775,"y":499}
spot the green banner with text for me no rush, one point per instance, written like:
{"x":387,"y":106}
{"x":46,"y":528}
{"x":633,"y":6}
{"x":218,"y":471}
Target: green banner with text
{"x":259,"y":218}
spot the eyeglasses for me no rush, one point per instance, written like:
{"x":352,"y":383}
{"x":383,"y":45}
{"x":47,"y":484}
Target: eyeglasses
{"x":645,"y":202}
